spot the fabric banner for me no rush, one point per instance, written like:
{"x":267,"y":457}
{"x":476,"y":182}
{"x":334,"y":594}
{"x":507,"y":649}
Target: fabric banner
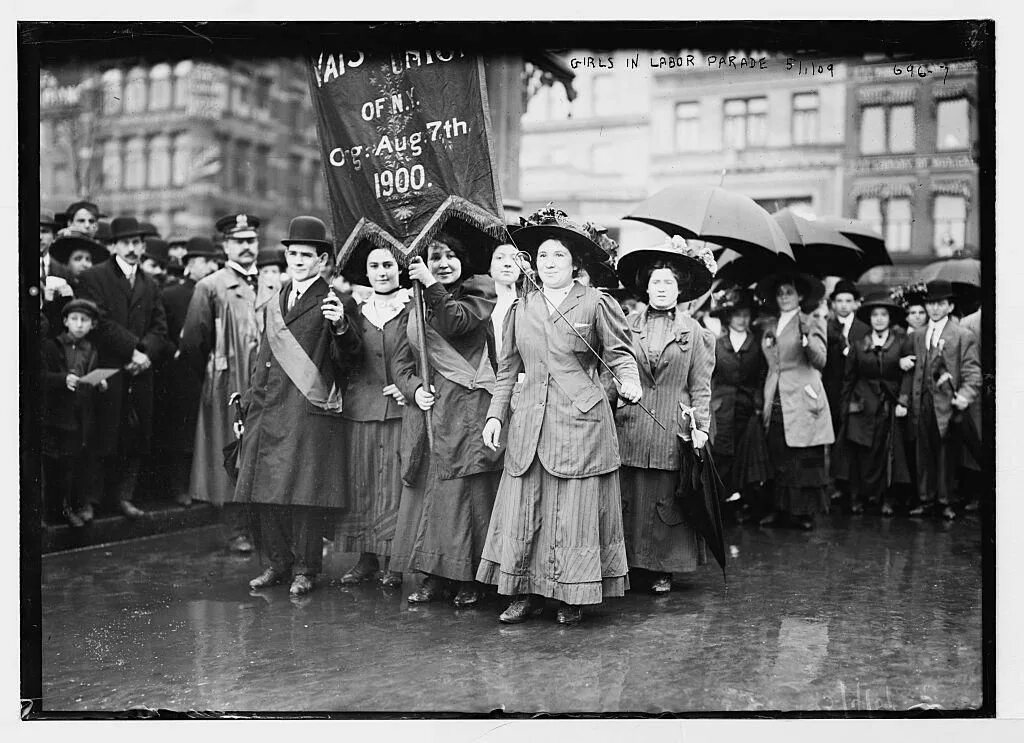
{"x":400,"y":135}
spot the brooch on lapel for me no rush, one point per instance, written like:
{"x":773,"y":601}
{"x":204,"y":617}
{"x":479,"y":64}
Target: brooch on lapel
{"x":769,"y":339}
{"x":942,"y":343}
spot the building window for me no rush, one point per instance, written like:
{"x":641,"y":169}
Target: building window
{"x":262,"y":96}
{"x":160,"y":87}
{"x":181,"y":83}
{"x":112,"y":93}
{"x":687,"y":134}
{"x":805,"y":118}
{"x":181,"y":158}
{"x":887,"y":129}
{"x":949,"y":217}
{"x":890,"y":218}
{"x":240,"y":176}
{"x":135,"y":91}
{"x":746,"y":122}
{"x":112,"y":165}
{"x":952,"y":124}
{"x":604,"y":158}
{"x":262,"y":169}
{"x":135,"y":164}
{"x":159,"y":161}
{"x":603,"y":95}
{"x":241,"y":94}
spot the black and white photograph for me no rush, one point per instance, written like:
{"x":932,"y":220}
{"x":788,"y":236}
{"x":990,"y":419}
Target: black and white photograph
{"x":503,"y":369}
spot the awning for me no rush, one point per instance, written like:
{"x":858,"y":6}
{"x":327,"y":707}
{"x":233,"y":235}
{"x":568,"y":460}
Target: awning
{"x":882,"y":95}
{"x":955,"y":187}
{"x":955,"y":90}
{"x":883,"y":190}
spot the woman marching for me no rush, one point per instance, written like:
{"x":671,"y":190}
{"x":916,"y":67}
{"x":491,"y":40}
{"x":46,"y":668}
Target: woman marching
{"x":737,"y":393}
{"x":556,"y":529}
{"x":445,"y":506}
{"x":373,"y":416}
{"x":676,"y":358}
{"x":876,"y":392}
{"x":796,"y":413}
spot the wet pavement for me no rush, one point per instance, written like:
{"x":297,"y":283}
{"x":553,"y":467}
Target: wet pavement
{"x":862,"y":614}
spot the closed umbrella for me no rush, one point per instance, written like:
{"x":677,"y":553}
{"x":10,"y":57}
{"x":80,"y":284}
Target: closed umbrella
{"x":710,"y":213}
{"x":864,"y":236}
{"x":820,"y":249}
{"x":700,"y":495}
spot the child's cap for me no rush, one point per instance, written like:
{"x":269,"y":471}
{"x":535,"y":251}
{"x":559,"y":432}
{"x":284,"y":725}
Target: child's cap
{"x":84,"y":306}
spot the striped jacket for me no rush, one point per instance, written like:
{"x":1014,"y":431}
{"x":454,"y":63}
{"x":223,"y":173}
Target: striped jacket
{"x":680,"y":377}
{"x":561,"y":412}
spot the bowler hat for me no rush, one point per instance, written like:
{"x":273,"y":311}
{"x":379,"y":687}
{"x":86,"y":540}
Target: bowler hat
{"x":844,"y":286}
{"x":550,"y":223}
{"x":809,"y":287}
{"x":308,"y":231}
{"x":86,"y":306}
{"x":157,"y":250}
{"x":939,"y":289}
{"x":694,"y":263}
{"x":199,"y":247}
{"x":238,"y":225}
{"x":68,"y":243}
{"x":271,"y":257}
{"x":103,"y":231}
{"x":881,"y":299}
{"x":150,"y":229}
{"x":124,"y":227}
{"x":46,"y":220}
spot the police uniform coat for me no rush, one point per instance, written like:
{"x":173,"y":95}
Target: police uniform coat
{"x":292,"y":452}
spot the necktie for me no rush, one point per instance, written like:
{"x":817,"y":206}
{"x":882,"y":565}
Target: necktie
{"x":293,"y":299}
{"x":131,"y":279}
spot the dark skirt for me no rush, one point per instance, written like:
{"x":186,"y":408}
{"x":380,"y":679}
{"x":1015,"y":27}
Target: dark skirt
{"x":749,"y":465}
{"x":374,"y":485}
{"x":442,"y":524}
{"x":873,"y":469}
{"x":651,"y":543}
{"x":556,"y":537}
{"x":800,"y":474}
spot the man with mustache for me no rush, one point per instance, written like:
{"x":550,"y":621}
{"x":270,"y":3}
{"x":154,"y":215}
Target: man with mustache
{"x":218,"y":342}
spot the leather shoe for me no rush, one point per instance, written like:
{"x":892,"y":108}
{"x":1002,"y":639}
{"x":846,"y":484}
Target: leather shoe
{"x":240,"y":544}
{"x":184,"y":500}
{"x":362,"y":571}
{"x":130,"y":511}
{"x":805,"y":523}
{"x":431,"y":590}
{"x":521,"y":609}
{"x":467,"y":595}
{"x":73,"y":519}
{"x":771,"y":519}
{"x":663,"y":584}
{"x":919,"y":511}
{"x":948,"y":513}
{"x":86,"y":513}
{"x":390,"y":579}
{"x":569,"y":614}
{"x":267,"y":578}
{"x":856,"y":509}
{"x":886,"y":510}
{"x":971,"y":507}
{"x":301,"y":585}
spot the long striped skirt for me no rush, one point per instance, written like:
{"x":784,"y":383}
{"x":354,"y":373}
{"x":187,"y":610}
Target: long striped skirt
{"x":655,"y":539}
{"x":556,"y":537}
{"x":375,"y":487}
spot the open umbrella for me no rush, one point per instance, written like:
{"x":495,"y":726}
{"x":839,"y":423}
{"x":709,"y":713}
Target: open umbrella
{"x":965,"y":276}
{"x":749,"y":269}
{"x":710,"y":213}
{"x":820,"y":249}
{"x":864,"y":236}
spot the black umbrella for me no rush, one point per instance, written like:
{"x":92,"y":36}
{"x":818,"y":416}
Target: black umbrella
{"x":700,"y":495}
{"x":749,"y":269}
{"x":864,"y":236}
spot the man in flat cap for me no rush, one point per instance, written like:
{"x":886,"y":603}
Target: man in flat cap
{"x":219,"y":341}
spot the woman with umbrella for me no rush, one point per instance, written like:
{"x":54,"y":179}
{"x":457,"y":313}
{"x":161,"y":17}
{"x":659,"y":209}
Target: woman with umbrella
{"x":373,"y":419}
{"x":446,"y":504}
{"x":556,"y":529}
{"x":676,"y":358}
{"x":875,"y":394}
{"x":737,"y":390}
{"x":796,"y":415}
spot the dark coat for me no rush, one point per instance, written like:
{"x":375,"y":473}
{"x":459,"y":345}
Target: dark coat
{"x":364,"y":400}
{"x":462,"y":316}
{"x":737,"y":390}
{"x":292,"y":452}
{"x":681,"y":377}
{"x":130,"y":319}
{"x":835,"y":361}
{"x":175,"y":299}
{"x":62,"y":356}
{"x":176,"y":385}
{"x":873,"y":384}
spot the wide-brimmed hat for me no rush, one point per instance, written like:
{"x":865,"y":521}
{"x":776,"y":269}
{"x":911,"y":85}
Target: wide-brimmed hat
{"x":86,"y":306}
{"x":809,"y":287}
{"x":238,"y":226}
{"x":64,"y":246}
{"x":70,"y":212}
{"x":308,"y":231}
{"x":122,"y":227}
{"x":354,"y":269}
{"x":844,"y":286}
{"x":157,"y":250}
{"x":729,"y":299}
{"x":696,"y":267}
{"x":46,"y":220}
{"x":271,"y":257}
{"x":881,"y":299}
{"x":550,"y":223}
{"x":939,"y":289}
{"x":907,"y":295}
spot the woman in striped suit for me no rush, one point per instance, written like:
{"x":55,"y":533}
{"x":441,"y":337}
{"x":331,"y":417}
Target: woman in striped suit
{"x":677,"y":358}
{"x":556,"y":529}
{"x":446,"y":504}
{"x":373,"y":415}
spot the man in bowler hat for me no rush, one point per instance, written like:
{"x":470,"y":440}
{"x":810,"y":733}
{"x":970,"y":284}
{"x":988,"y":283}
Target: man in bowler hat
{"x":291,"y":466}
{"x":947,"y":379}
{"x":132,"y":335}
